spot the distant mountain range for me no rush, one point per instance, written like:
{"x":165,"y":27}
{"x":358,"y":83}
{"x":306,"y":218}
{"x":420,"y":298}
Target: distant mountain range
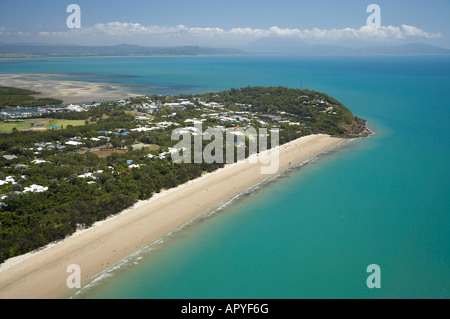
{"x":25,"y":49}
{"x":293,"y":46}
{"x":261,"y":46}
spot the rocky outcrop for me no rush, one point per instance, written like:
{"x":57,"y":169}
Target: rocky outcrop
{"x":358,"y":128}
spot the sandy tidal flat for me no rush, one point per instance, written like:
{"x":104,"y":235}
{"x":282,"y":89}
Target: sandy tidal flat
{"x":53,"y":86}
{"x":43,"y":274}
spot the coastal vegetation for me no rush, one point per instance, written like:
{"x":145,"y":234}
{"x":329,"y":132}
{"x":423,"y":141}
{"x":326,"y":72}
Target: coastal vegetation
{"x":55,"y":181}
{"x":13,"y":97}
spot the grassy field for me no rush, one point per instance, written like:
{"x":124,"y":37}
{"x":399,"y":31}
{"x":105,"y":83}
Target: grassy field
{"x":150,"y":147}
{"x":102,"y":153}
{"x":59,"y":123}
{"x":7,"y":127}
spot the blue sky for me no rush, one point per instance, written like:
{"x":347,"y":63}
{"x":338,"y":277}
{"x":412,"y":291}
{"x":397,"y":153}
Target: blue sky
{"x":224,"y":22}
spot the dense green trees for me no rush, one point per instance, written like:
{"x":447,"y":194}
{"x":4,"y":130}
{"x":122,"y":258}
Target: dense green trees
{"x":31,"y":220}
{"x":306,"y":105}
{"x":10,"y":96}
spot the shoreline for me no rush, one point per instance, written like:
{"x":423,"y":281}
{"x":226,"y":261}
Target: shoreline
{"x":146,"y":250}
{"x":42,"y":273}
{"x":69,"y":91}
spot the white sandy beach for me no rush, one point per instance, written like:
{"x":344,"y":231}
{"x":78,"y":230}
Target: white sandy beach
{"x":43,"y":274}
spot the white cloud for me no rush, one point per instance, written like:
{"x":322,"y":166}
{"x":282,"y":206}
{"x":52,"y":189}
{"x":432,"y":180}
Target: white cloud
{"x":136,"y":31}
{"x":413,"y":31}
{"x":6,"y":31}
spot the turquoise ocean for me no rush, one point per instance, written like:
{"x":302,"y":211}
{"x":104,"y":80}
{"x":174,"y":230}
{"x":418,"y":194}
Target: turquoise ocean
{"x":311,"y":232}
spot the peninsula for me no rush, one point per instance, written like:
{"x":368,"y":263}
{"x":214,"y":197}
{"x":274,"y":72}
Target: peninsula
{"x":93,"y":191}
